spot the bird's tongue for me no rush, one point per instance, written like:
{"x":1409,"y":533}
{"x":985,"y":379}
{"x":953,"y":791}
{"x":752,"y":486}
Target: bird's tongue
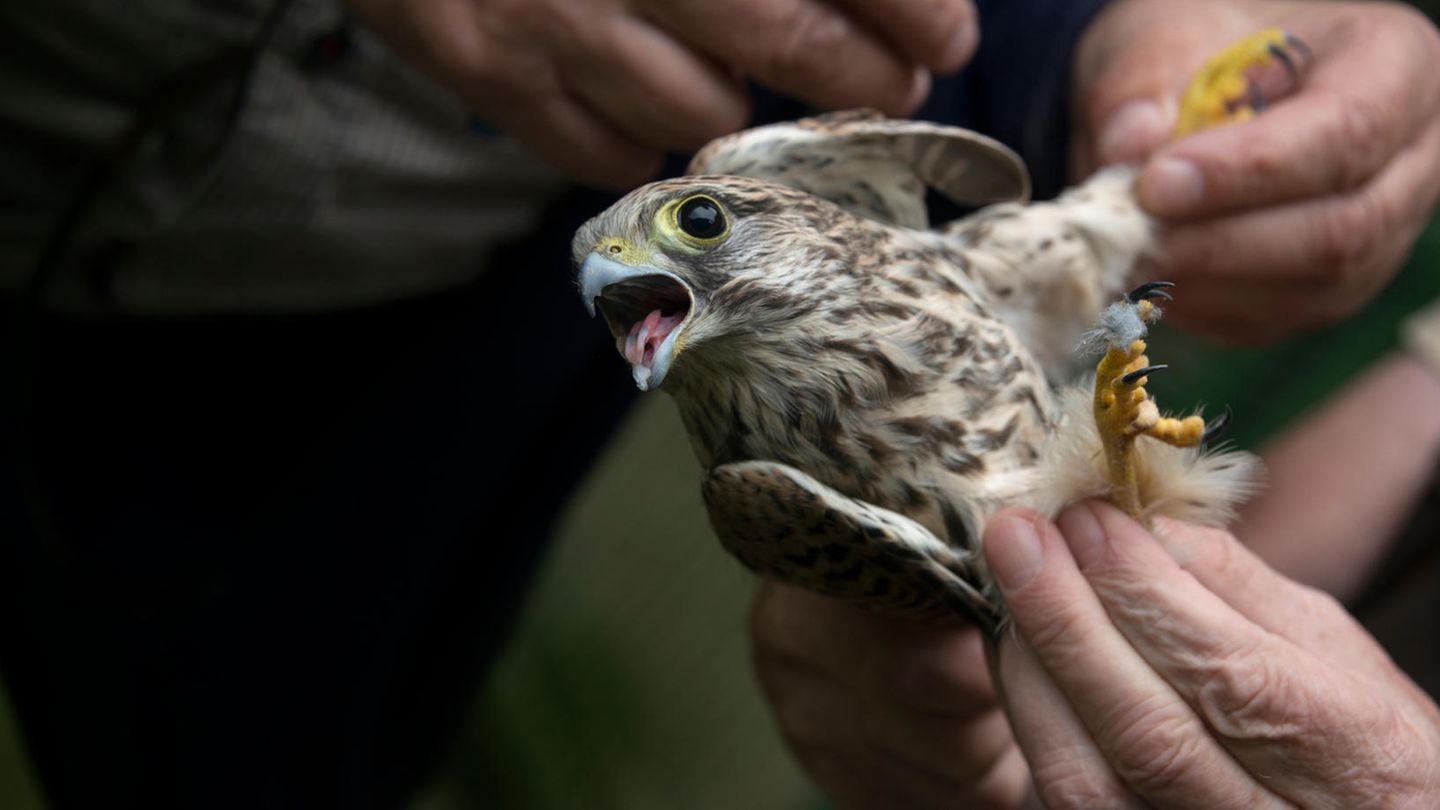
{"x":646,"y":336}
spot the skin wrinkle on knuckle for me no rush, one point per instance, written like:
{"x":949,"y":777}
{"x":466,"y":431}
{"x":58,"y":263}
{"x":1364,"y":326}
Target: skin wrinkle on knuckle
{"x":517,"y":63}
{"x":1054,"y":630}
{"x":1220,"y":559}
{"x":1125,"y":721}
{"x":1323,"y":609}
{"x":1159,"y":759}
{"x":1379,"y":759}
{"x":1417,"y":767}
{"x":715,"y":120}
{"x":691,"y":100}
{"x":475,"y":59}
{"x":1079,"y":795}
{"x":557,"y":23}
{"x":1194,"y":251}
{"x":1251,"y":174}
{"x":942,"y":24}
{"x":1389,"y":752}
{"x":1347,"y":233}
{"x":1223,"y":560}
{"x":1361,"y":139}
{"x":805,"y":57}
{"x":1074,"y":782}
{"x":1126,"y":586}
{"x":1246,"y":700}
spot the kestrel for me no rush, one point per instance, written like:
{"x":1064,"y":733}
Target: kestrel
{"x":864,"y":390}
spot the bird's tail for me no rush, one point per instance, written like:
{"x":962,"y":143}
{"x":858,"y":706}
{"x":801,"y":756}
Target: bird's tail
{"x":1104,"y":212}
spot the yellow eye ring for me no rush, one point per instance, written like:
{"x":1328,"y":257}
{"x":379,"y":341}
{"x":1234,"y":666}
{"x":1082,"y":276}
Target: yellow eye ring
{"x":702,"y":220}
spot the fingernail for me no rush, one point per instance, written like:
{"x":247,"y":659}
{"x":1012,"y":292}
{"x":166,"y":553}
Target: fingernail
{"x":1083,"y":533}
{"x":1012,"y":546}
{"x":1171,"y":187}
{"x":1132,"y":131}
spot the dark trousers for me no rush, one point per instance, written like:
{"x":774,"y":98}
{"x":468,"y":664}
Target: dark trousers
{"x":264,"y":562}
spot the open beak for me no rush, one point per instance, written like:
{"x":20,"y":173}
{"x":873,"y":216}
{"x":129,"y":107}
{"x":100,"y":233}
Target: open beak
{"x":646,"y":309}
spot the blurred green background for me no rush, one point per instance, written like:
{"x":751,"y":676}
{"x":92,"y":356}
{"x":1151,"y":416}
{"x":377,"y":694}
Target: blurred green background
{"x":626,"y":683}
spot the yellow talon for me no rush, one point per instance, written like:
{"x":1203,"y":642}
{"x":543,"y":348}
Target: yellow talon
{"x":1124,"y":411}
{"x":1222,"y":92}
{"x":1119,"y":417}
{"x":1185,"y":432}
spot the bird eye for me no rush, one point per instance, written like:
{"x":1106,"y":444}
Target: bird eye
{"x":701,"y":218}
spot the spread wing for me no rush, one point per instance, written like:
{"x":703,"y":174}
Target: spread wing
{"x":872,"y":166}
{"x":783,"y":524}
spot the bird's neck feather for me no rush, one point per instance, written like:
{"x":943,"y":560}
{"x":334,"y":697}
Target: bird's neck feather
{"x":787,"y":399}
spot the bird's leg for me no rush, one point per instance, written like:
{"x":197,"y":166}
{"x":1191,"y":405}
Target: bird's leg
{"x":1124,"y":411}
{"x":1226,"y":88}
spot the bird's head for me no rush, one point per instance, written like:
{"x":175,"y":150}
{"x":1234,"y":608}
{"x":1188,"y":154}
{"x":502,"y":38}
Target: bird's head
{"x":684,"y":266}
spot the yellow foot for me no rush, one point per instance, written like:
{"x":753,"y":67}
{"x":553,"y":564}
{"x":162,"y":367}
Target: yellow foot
{"x":1225,"y":89}
{"x":1123,"y":409}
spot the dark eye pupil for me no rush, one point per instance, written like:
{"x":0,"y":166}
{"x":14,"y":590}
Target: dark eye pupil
{"x":701,"y":218}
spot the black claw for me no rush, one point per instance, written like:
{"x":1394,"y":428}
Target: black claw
{"x":1285,"y":61}
{"x":1299,"y":45}
{"x":1216,"y":427}
{"x":1257,"y":98}
{"x":1150,"y":289}
{"x":1129,"y":379}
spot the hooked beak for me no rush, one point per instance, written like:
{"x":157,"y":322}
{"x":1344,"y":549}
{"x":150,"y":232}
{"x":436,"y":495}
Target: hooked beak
{"x":646,"y":309}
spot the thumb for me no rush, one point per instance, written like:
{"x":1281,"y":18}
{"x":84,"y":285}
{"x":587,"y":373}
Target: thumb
{"x":1138,"y":65}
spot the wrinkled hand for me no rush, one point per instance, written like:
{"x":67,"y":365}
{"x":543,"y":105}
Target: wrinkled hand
{"x":600,"y":88}
{"x":1210,"y":682}
{"x":882,"y":712}
{"x":1294,"y":219}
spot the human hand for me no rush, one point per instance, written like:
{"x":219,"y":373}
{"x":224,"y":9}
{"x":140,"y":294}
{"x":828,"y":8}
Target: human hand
{"x":600,"y":88}
{"x":1195,"y":678}
{"x":883,"y":712}
{"x":1294,"y":219}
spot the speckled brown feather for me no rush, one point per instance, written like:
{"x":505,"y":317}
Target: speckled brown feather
{"x":874,"y":558}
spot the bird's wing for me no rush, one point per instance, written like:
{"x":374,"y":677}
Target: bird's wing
{"x":784,"y":524}
{"x":872,"y":166}
{"x":1051,"y":266}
